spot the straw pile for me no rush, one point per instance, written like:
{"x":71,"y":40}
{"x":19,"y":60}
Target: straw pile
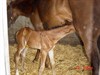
{"x":67,"y":59}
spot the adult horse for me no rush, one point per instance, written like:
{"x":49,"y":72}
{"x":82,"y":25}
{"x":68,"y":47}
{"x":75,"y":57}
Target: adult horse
{"x":86,"y":16}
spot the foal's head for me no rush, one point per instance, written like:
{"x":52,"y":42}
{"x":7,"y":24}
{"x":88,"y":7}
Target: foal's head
{"x":18,"y":8}
{"x":13,"y":13}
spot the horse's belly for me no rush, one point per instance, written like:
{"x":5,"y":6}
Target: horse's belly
{"x":34,"y":40}
{"x":34,"y":45}
{"x":57,"y":17}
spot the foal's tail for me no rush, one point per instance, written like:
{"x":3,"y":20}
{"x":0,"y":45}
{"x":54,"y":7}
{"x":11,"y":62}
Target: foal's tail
{"x":23,"y":33}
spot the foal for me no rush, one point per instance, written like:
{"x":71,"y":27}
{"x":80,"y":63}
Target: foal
{"x":41,"y":40}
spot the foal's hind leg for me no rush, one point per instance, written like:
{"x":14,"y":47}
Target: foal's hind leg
{"x":51,"y":56}
{"x":23,"y":54}
{"x":17,"y":57}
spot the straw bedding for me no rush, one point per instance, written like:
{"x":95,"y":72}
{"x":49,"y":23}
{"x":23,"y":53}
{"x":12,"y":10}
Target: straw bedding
{"x":67,"y":59}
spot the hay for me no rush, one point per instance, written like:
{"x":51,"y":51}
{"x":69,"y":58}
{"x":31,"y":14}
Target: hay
{"x":67,"y":58}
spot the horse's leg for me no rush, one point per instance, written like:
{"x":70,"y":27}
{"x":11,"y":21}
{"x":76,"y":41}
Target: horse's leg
{"x":51,"y":56}
{"x":87,"y":41}
{"x":42,"y":61}
{"x":95,"y":56}
{"x":86,"y":37}
{"x":17,"y":57}
{"x":92,"y":52}
{"x":37,"y":56}
{"x":36,"y":21}
{"x":47,"y":63}
{"x":84,"y":25}
{"x":98,"y":43}
{"x":23,"y":54}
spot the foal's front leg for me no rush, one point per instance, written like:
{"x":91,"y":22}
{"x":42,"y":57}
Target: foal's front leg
{"x":37,"y":57}
{"x":42,"y":61}
{"x":47,"y":62}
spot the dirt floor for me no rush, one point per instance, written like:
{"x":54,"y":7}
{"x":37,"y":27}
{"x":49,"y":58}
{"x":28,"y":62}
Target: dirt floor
{"x":69,"y":61}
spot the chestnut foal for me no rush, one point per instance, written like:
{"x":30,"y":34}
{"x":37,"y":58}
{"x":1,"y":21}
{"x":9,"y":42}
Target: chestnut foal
{"x":41,"y":40}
